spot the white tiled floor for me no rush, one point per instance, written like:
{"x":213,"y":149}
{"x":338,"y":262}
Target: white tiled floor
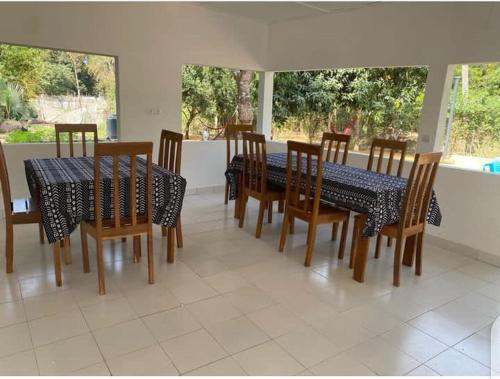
{"x":232,"y":305}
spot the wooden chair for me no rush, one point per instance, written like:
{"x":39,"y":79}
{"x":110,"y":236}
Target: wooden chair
{"x":254,"y":179}
{"x":308,"y":206}
{"x":118,"y":226}
{"x":169,"y":157}
{"x":378,"y":151}
{"x":339,"y":143}
{"x":413,"y":215}
{"x":75,"y":129}
{"x":72,"y":129}
{"x":232,"y":132}
{"x":17,"y":212}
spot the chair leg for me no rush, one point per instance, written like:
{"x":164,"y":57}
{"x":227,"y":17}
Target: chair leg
{"x":354,"y":242}
{"x":389,"y":241}
{"x":151,"y":271}
{"x":397,"y":262}
{"x":66,"y":243}
{"x":170,"y":245}
{"x":178,"y":234}
{"x":226,"y":193}
{"x":9,"y":248}
{"x":57,"y":263}
{"x":281,"y":206}
{"x":100,"y":267}
{"x":343,"y":238}
{"x":269,"y":212}
{"x":377,"y":246}
{"x":260,"y":219}
{"x":164,"y":231}
{"x":335,"y":229}
{"x":418,"y":259}
{"x":137,"y":248}
{"x":41,"y":232}
{"x":284,"y":231}
{"x":311,"y":238}
{"x":124,"y":239}
{"x":85,"y":248}
{"x":292,"y":225}
{"x":243,"y":209}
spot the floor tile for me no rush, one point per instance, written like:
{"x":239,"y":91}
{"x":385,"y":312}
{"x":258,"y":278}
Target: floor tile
{"x":172,"y":323}
{"x":476,"y":347}
{"x":464,"y":315}
{"x":98,"y":369}
{"x":192,"y":290}
{"x":422,"y":371}
{"x":415,"y":343}
{"x":123,"y":338}
{"x":57,"y":327}
{"x":382,"y":358}
{"x":441,"y":328}
{"x":14,"y":339}
{"x":224,"y":367}
{"x":20,"y":364}
{"x":268,"y":359}
{"x":307,"y":346}
{"x":373,"y":318}
{"x":193,"y":350}
{"x":341,"y":365}
{"x":151,"y":361}
{"x":49,"y":304}
{"x":226,"y":281}
{"x":275,"y":320}
{"x":452,"y":363}
{"x":11,"y":313}
{"x":249,"y":299}
{"x":213,"y":310}
{"x":40,"y":285}
{"x":237,"y":334}
{"x":151,"y":299}
{"x":108,"y":313}
{"x":492,"y":291}
{"x":482,"y":271}
{"x":64,"y":357}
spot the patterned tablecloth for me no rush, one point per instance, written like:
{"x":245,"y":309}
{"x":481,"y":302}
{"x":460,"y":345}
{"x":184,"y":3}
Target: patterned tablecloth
{"x":379,"y":196}
{"x":65,"y":187}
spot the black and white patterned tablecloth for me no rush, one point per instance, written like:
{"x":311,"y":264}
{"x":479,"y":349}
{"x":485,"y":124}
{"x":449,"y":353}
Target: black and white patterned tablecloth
{"x":379,"y":196}
{"x":65,"y":187}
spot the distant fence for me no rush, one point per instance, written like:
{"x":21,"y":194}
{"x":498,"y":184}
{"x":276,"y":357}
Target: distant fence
{"x":70,"y":109}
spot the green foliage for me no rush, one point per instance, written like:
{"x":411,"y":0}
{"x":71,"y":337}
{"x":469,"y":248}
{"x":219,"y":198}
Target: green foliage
{"x":476,"y":124}
{"x":13,"y":104}
{"x":38,"y":133}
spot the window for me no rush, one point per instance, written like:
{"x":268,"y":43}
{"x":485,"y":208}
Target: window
{"x":363,"y":102}
{"x":214,"y":97}
{"x":40,"y":87}
{"x":472,"y":137}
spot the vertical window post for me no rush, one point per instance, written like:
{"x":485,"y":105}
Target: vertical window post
{"x":435,"y":108}
{"x":265,"y":103}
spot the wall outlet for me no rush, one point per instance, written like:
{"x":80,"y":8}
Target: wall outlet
{"x":154,"y":111}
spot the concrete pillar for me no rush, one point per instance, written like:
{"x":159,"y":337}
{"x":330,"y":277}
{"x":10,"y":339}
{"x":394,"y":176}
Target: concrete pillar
{"x":265,"y":110}
{"x":435,"y":108}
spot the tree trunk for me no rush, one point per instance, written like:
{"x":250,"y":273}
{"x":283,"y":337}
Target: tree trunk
{"x":245,"y":111}
{"x":465,"y":80}
{"x":356,"y":133}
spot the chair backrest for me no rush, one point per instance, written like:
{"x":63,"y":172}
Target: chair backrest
{"x":4,"y":179}
{"x":418,"y":192}
{"x":300,"y":192}
{"x":381,"y":146}
{"x":115,"y":151}
{"x":232,"y":132}
{"x":170,"y":153}
{"x":339,"y":143}
{"x":254,"y":162}
{"x":74,"y":129}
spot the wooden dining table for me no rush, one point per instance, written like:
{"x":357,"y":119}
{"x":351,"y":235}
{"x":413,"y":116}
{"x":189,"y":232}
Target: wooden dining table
{"x":64,"y":188}
{"x":377,"y":197}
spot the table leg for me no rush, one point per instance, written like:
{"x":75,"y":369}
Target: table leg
{"x":170,"y":245}
{"x":237,"y":201}
{"x":409,"y":253}
{"x":57,"y":263}
{"x":362,"y":245}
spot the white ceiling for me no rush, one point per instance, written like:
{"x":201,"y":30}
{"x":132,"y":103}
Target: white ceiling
{"x":273,"y":11}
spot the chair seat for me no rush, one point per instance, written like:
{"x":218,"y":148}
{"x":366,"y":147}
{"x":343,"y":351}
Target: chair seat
{"x":391,"y":230}
{"x":326,"y":214}
{"x":110,"y":231}
{"x":25,"y":211}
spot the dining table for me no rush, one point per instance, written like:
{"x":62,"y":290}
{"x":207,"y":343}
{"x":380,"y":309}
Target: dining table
{"x":377,"y":197}
{"x":64,"y":189}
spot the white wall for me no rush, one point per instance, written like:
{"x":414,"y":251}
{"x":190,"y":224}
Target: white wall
{"x":151,"y":41}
